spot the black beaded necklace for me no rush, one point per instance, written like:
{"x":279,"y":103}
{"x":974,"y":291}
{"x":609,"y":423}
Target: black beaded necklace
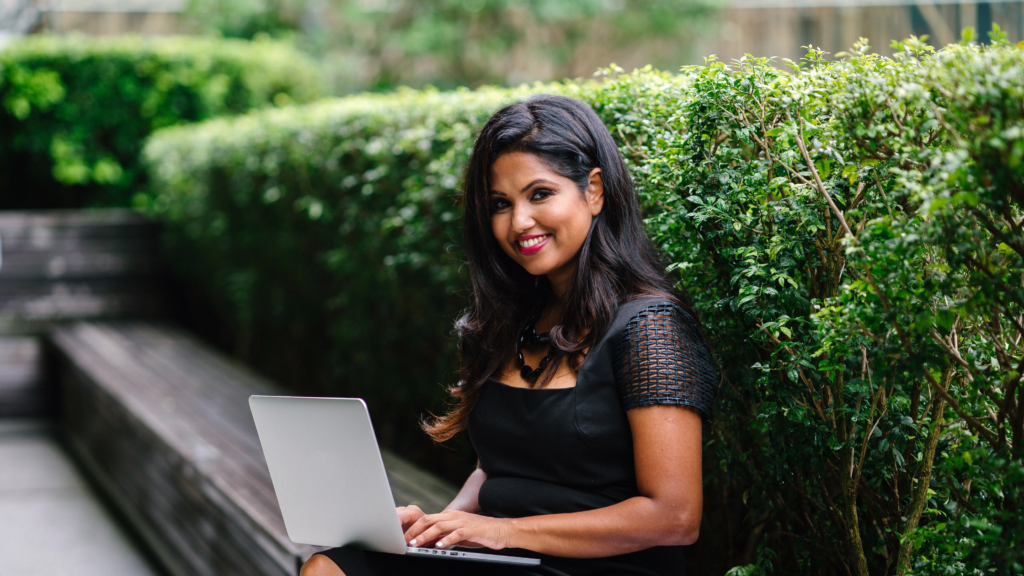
{"x":530,"y":336}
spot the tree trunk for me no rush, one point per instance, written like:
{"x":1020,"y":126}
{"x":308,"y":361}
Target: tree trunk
{"x":833,"y":263}
{"x":923,"y":478}
{"x":855,"y":546}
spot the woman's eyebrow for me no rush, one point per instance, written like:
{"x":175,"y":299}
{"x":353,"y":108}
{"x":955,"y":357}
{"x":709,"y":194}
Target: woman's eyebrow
{"x":534,"y":183}
{"x":525,"y":188}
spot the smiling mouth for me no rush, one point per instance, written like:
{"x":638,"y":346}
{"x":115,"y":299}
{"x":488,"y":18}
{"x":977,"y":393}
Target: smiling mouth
{"x":533,"y":245}
{"x":533,"y":241}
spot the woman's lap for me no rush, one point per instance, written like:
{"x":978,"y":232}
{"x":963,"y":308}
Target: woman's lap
{"x":357,"y":562}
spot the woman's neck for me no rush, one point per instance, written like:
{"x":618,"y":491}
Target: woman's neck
{"x":559,"y":280}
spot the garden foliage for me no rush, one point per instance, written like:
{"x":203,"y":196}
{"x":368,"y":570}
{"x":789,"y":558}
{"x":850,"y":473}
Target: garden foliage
{"x":324,"y":237}
{"x":850,"y":232}
{"x":381,"y":44}
{"x":75,"y":110}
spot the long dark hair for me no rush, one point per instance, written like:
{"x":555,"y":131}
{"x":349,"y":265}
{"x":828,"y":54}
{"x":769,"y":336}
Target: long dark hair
{"x":616,"y":263}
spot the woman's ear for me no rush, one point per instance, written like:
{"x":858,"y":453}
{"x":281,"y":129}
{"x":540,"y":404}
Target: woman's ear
{"x":595,"y":192}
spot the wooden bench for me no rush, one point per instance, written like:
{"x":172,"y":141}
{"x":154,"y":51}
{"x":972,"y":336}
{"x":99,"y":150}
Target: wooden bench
{"x":163,"y":424}
{"x":66,"y":265}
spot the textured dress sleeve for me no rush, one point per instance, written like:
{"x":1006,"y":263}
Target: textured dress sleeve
{"x":662,"y":358}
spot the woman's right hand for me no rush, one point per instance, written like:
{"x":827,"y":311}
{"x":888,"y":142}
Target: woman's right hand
{"x":408,"y":515}
{"x":466,"y":500}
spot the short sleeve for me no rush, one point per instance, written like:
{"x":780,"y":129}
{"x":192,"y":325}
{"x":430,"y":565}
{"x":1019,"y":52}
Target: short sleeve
{"x":662,"y":358}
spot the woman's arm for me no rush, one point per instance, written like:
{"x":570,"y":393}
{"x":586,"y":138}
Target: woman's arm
{"x":667,"y":451}
{"x":466,"y":500}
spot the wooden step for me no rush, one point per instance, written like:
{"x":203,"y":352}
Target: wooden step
{"x":163,"y":422}
{"x":65,"y":265}
{"x":69,"y":265}
{"x":22,"y":387}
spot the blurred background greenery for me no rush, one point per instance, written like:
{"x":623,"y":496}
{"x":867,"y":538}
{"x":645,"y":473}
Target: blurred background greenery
{"x":76,"y":108}
{"x":380,"y":44}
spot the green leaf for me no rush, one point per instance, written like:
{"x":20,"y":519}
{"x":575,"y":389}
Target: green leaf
{"x":944,"y":318}
{"x":850,"y":173}
{"x":824,"y":167}
{"x":923,"y":321}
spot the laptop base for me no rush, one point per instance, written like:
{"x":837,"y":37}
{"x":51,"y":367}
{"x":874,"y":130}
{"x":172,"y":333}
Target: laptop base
{"x":457,"y":554}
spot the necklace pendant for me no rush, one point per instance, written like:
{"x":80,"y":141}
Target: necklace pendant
{"x":529,"y":374}
{"x":530,"y":335}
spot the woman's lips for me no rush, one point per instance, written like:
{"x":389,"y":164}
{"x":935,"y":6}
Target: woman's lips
{"x":536,"y":247}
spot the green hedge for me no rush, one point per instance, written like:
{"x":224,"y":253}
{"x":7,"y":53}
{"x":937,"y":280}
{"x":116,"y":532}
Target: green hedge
{"x":74,"y":110}
{"x":303,"y":230}
{"x":851,"y":232}
{"x":871,"y":406}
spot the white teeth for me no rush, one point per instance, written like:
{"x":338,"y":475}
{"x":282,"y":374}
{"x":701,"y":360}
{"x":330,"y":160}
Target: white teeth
{"x":533,"y":241}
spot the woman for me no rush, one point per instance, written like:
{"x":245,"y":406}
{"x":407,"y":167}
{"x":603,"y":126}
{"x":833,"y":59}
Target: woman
{"x":583,"y":376}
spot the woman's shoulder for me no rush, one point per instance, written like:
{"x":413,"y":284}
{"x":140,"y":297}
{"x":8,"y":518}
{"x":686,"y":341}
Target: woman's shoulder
{"x":644,"y":309}
{"x":643,"y":305}
{"x":661,"y":357}
{"x":659,"y":321}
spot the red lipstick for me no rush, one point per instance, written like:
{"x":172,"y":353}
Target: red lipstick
{"x":534,"y":248}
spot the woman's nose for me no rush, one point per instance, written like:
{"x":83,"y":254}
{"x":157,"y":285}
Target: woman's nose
{"x":522,"y":218}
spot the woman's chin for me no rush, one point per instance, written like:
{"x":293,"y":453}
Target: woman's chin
{"x":536,"y":270}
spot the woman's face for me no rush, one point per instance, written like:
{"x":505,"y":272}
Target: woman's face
{"x":539,"y":217}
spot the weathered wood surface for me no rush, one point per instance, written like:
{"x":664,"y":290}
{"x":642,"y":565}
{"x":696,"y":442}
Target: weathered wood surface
{"x":163,"y":422}
{"x":76,"y":264}
{"x":65,"y":265}
{"x":23,"y":389}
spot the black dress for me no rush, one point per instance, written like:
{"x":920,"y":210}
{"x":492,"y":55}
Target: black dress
{"x":562,"y":450}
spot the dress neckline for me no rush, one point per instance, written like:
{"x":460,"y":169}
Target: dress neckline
{"x":573,"y":387}
{"x":585,"y":360}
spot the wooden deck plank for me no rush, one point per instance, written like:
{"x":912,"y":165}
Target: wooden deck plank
{"x":408,"y":484}
{"x":32,"y":307}
{"x":149,"y":492}
{"x":190,"y":404}
{"x":152,"y":469}
{"x":22,"y":389}
{"x":20,"y":361}
{"x":36,"y":219}
{"x":117,"y":260}
{"x":235,"y":435}
{"x":67,"y":265}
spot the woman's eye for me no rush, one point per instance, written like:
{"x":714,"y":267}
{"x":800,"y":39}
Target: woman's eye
{"x":498,"y":205}
{"x":541,"y":193}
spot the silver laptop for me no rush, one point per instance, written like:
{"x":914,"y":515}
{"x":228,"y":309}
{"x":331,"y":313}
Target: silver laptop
{"x":329,"y":477}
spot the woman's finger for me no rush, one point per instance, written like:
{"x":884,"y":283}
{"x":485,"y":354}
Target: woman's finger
{"x":407,"y":515}
{"x":453,"y":538}
{"x":421,"y":525}
{"x":436,"y":531}
{"x":410,"y":509}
